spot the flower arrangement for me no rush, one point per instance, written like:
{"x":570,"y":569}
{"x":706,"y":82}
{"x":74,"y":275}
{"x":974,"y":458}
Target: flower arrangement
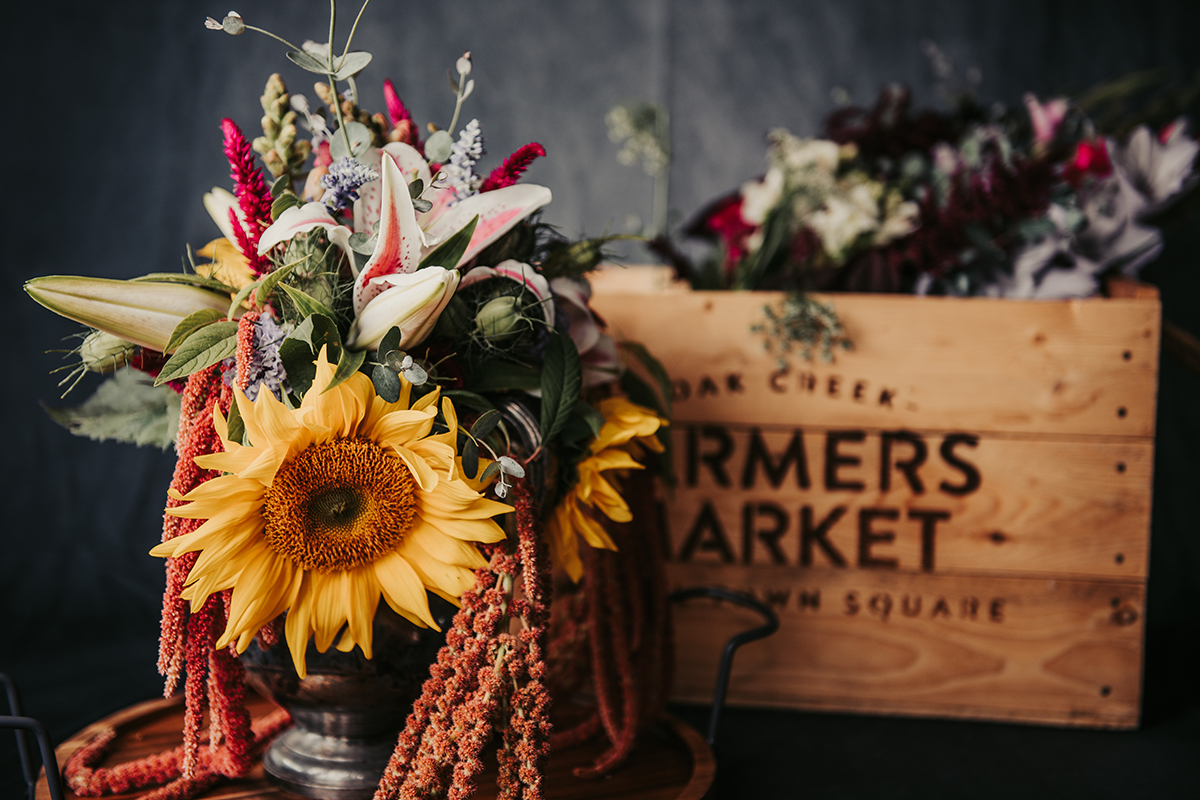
{"x":380,"y":353}
{"x":1031,"y":203}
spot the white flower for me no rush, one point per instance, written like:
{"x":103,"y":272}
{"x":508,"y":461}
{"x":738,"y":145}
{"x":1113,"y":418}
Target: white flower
{"x":1157,"y":169}
{"x":844,"y":217}
{"x":759,"y":197}
{"x":800,"y":155}
{"x":412,"y":301}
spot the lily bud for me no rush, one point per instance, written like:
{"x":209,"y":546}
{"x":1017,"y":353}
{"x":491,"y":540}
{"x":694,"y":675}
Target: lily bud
{"x":411,"y":301}
{"x":102,"y":352}
{"x":142,"y":312}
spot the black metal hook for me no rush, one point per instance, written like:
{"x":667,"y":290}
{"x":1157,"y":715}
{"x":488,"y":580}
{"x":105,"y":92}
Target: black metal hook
{"x":21,"y":726}
{"x":770,"y":625}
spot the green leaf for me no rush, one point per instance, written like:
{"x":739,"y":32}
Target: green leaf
{"x":283,"y":203}
{"x":561,"y":383}
{"x":361,"y":243}
{"x":266,"y":286}
{"x":235,"y":423}
{"x":415,"y":188}
{"x":349,"y":363}
{"x":299,"y":350}
{"x":503,"y":376}
{"x":387,"y":383}
{"x":470,"y":457}
{"x":240,"y":298}
{"x":351,"y":65}
{"x":492,"y":470}
{"x":593,"y":418}
{"x":305,"y":304}
{"x":486,"y":423}
{"x":125,"y":408}
{"x":437,"y":146}
{"x":205,"y":347}
{"x":390,"y":341}
{"x":360,"y":141}
{"x":656,"y":371}
{"x":448,"y":253}
{"x":190,"y":280}
{"x":309,"y":62}
{"x":282,"y":184}
{"x":465,"y":399}
{"x":190,"y":324}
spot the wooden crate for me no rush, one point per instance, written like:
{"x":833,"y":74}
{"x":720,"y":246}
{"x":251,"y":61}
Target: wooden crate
{"x":952,"y":519}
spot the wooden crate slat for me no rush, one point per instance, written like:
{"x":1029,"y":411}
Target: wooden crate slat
{"x":1053,"y":651}
{"x":1074,"y":367}
{"x":1073,"y":507}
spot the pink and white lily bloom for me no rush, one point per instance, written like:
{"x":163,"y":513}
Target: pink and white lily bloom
{"x":412,"y":301}
{"x":405,"y":236}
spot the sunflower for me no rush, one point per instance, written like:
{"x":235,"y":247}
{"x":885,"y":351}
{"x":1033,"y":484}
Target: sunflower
{"x":627,"y":429}
{"x":332,"y":505}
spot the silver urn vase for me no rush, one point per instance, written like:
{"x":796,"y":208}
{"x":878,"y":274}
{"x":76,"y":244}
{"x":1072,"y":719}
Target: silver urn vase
{"x":348,"y":711}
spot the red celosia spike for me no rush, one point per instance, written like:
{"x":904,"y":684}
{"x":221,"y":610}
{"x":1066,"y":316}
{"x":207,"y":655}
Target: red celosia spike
{"x":253,"y":195}
{"x":513,"y":167}
{"x":395,"y":106}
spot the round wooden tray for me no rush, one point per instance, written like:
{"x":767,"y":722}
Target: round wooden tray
{"x":671,"y":762}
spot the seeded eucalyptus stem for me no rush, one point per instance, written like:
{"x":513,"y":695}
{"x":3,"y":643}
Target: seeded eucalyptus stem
{"x":462,"y":83}
{"x":337,"y":107}
{"x":276,"y":38}
{"x":353,"y":29}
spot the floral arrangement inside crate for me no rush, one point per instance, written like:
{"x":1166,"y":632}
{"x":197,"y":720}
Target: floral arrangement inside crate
{"x":1035,"y":202}
{"x":381,"y":351}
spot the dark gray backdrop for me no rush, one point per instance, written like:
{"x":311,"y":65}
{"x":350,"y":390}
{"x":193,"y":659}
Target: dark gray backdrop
{"x":111,"y":136}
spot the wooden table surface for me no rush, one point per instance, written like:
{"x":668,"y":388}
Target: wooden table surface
{"x":671,"y":762}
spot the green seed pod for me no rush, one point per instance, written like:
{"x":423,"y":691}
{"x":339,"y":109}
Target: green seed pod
{"x":103,"y":352}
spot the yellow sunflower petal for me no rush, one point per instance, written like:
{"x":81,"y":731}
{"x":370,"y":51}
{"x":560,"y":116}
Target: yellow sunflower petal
{"x":298,"y":625}
{"x":403,"y":589}
{"x":329,"y":607}
{"x":564,"y":544}
{"x":364,"y":599}
{"x":401,"y":428}
{"x":445,"y":580}
{"x":446,"y":549}
{"x":456,"y":500}
{"x":422,"y":473}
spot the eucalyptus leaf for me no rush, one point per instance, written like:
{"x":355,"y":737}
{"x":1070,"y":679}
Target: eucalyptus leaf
{"x":349,"y":363}
{"x":491,"y":471}
{"x":306,"y":61}
{"x":189,"y":325}
{"x":305,"y":304}
{"x":453,"y":80}
{"x":395,"y":360}
{"x":421,"y":205}
{"x":437,"y":146}
{"x":415,"y":188}
{"x":125,"y":408}
{"x":562,"y":382}
{"x":387,"y":383}
{"x":486,"y":423}
{"x":207,"y":346}
{"x":351,"y":65}
{"x":470,"y":88}
{"x":361,"y":243}
{"x":390,"y":341}
{"x":360,"y":141}
{"x":470,"y":457}
{"x":449,"y":252}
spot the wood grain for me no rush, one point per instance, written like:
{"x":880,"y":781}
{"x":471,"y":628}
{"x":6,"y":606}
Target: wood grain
{"x":1064,"y":652}
{"x":671,"y":761}
{"x":1043,"y":506}
{"x":979,"y":364}
{"x":953,"y":517}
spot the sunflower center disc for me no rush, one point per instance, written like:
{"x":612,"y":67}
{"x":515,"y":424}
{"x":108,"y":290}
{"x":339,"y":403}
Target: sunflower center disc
{"x":338,"y":505}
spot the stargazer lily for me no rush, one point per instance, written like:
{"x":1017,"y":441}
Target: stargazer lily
{"x":142,"y":312}
{"x":412,"y":301}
